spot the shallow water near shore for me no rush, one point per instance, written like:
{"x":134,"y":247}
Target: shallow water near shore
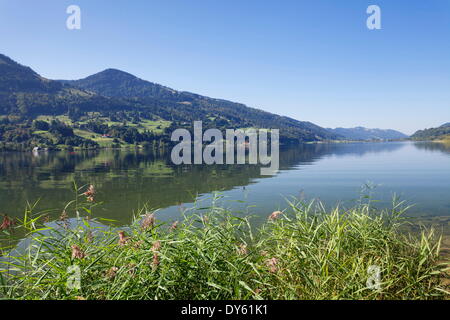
{"x":333,"y":173}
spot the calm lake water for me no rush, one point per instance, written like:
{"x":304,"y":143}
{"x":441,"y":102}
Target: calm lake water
{"x":127,"y":180}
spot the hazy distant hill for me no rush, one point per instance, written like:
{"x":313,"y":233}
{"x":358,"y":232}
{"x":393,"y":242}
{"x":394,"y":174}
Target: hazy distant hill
{"x":441,"y":132}
{"x":361,"y":133}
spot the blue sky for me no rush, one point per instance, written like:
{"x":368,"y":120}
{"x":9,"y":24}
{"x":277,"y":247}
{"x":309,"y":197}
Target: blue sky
{"x":312,"y":60}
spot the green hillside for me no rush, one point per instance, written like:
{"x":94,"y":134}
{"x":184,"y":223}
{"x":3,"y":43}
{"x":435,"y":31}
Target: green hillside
{"x":114,"y":109}
{"x":440,"y":133}
{"x":187,"y":107}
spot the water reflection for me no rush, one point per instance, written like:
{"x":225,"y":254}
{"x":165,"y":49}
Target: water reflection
{"x":126,"y":180}
{"x":433,"y":146}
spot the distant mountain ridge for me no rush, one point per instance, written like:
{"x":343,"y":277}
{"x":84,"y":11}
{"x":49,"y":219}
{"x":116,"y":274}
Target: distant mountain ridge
{"x":361,"y":133}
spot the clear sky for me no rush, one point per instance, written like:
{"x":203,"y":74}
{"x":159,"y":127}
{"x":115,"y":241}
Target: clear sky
{"x":311,"y":60}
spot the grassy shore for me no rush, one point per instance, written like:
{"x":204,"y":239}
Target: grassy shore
{"x":445,"y":139}
{"x":304,"y":252}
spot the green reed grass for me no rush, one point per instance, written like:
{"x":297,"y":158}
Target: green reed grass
{"x":307,"y":252}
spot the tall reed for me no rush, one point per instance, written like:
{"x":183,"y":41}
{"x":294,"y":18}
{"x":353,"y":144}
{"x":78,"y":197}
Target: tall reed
{"x":305,"y":252}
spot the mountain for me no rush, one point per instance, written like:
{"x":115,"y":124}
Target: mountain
{"x":23,"y":92}
{"x":120,"y":84}
{"x":439,"y":133}
{"x":361,"y":133}
{"x":184,"y":106}
{"x":17,"y":78}
{"x":115,"y":97}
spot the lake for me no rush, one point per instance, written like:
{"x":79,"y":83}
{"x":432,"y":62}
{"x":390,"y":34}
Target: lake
{"x":333,"y":173}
